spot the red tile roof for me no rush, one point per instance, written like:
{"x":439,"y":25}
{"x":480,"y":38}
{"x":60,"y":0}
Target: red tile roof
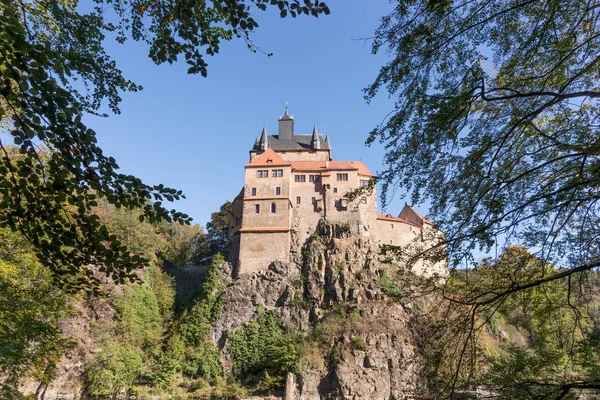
{"x":388,"y":217}
{"x":321,"y":166}
{"x":268,"y":159}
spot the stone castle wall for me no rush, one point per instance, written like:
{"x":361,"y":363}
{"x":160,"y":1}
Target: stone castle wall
{"x":259,"y":249}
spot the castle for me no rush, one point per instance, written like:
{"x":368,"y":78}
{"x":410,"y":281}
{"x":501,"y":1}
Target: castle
{"x":291,"y":183}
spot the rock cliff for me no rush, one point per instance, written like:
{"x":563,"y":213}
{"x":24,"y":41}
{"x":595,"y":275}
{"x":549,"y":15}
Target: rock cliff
{"x":336,"y":280}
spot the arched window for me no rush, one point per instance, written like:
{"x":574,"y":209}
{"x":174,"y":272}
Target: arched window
{"x":273,"y":208}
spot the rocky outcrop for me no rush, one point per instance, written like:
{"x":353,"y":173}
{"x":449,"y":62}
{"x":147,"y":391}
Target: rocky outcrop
{"x":334,"y":281}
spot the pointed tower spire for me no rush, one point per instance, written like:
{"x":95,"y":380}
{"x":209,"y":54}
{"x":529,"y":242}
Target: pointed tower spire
{"x":315,"y":141}
{"x":264,"y":141}
{"x":327,"y":144}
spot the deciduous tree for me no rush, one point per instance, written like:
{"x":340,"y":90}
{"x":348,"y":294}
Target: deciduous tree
{"x":496,"y":127}
{"x":54,"y":70}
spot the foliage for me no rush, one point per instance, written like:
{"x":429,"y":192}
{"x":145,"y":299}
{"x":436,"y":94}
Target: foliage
{"x":139,"y":318}
{"x":495,"y":122}
{"x":168,"y":365}
{"x":113,"y":370}
{"x":261,"y":347}
{"x":186,"y":244}
{"x":202,"y":357}
{"x":203,"y":361}
{"x":31,"y":311}
{"x":495,"y":126}
{"x":195,"y":323}
{"x":218,"y":227}
{"x":358,"y":344}
{"x":163,"y":287}
{"x":457,"y":341}
{"x":54,"y":71}
{"x":391,"y":289}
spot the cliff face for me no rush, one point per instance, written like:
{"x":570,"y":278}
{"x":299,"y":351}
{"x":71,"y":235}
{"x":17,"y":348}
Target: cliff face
{"x":336,"y":280}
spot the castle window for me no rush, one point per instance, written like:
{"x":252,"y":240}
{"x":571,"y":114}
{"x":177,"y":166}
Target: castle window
{"x":277,"y":191}
{"x":273,"y":208}
{"x":262,"y":173}
{"x":253,"y":191}
{"x":314,"y":178}
{"x":298,"y":199}
{"x":342,"y":177}
{"x":314,"y":200}
{"x":300,"y":178}
{"x":334,"y":190}
{"x":363,"y":200}
{"x":364,"y":182}
{"x":257,"y":208}
{"x":277,"y":173}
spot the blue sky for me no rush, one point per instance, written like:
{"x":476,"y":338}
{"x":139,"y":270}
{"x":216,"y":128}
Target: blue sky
{"x":194,"y":133}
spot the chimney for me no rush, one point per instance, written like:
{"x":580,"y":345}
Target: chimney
{"x":286,"y":126}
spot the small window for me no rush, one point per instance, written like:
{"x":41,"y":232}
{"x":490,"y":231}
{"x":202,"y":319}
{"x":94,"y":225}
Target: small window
{"x":298,"y":199}
{"x":277,"y":173}
{"x":314,"y":178}
{"x":363,"y":200}
{"x":342,"y":177}
{"x":262,"y":173}
{"x":253,"y":191}
{"x":300,"y":178}
{"x":334,"y":190}
{"x":277,"y":191}
{"x":273,"y":208}
{"x":314,"y":200}
{"x":364,"y":182}
{"x":257,"y":208}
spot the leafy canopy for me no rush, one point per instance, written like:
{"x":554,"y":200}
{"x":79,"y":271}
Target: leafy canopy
{"x":495,"y":123}
{"x":495,"y":126}
{"x":54,"y":70}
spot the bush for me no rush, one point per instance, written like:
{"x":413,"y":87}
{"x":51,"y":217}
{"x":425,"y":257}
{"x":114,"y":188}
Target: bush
{"x":112,"y":371}
{"x":391,"y":289}
{"x":262,"y":349}
{"x":168,"y":364}
{"x":358,"y":344}
{"x":139,"y":318}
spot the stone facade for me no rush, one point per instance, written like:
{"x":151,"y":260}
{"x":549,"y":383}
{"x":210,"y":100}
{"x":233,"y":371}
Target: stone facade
{"x":292,"y":183}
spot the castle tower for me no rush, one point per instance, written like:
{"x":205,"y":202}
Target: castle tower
{"x":315,"y":143}
{"x":264,"y":141}
{"x":286,"y":126}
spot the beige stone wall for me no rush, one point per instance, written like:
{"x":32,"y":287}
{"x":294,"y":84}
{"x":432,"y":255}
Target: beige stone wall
{"x":265,"y":187}
{"x":266,"y":195}
{"x":414,"y":238}
{"x":314,"y":155}
{"x":306,"y":215}
{"x":259,"y":249}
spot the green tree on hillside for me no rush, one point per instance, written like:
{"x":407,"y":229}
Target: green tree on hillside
{"x":217,"y":229}
{"x":54,"y":71}
{"x":495,"y":126}
{"x":31,"y":312}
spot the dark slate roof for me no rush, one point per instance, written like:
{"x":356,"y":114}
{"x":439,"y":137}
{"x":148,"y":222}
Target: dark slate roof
{"x":300,"y":142}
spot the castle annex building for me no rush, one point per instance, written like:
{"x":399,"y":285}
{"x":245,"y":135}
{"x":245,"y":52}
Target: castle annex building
{"x":291,"y":183}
